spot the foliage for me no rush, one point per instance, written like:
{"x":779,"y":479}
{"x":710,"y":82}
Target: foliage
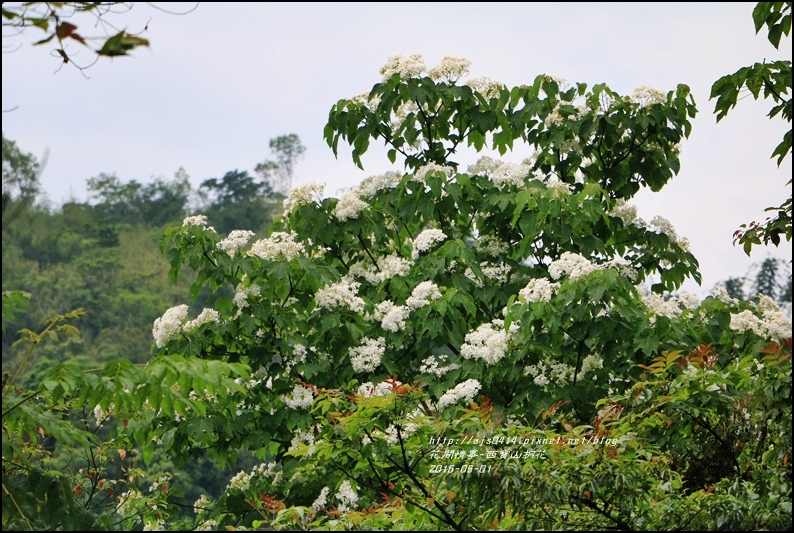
{"x":58,"y":22}
{"x":20,"y":180}
{"x":774,"y":78}
{"x":435,"y":313}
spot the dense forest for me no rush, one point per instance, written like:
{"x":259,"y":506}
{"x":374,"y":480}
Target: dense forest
{"x":103,"y":256}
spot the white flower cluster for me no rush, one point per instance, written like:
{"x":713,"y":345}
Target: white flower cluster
{"x":545,"y":373}
{"x":406,"y":430}
{"x":466,"y":390}
{"x":202,"y":505}
{"x":125,"y":501}
{"x":169,"y":324}
{"x":279,"y":245}
{"x":658,"y":305}
{"x":321,"y":500}
{"x":558,"y":187}
{"x":485,"y":166}
{"x":422,"y":295}
{"x":161,"y":481}
{"x":240,"y":481}
{"x":205,"y":317}
{"x":101,"y":415}
{"x":305,"y":437}
{"x":590,"y":363}
{"x":485,"y":86}
{"x":664,"y":226}
{"x":450,"y":70}
{"x":411,"y":66}
{"x":388,"y":267}
{"x":774,"y":324}
{"x":510,"y":174}
{"x":537,"y":290}
{"x":242,"y":293}
{"x":373,"y":184}
{"x":306,"y":194}
{"x":347,"y":497}
{"x":235,"y":241}
{"x":431,"y":365}
{"x":488,"y":342}
{"x":555,"y":118}
{"x":367,"y":356}
{"x":425,"y":240}
{"x":384,"y":388}
{"x":198,"y":220}
{"x":626,"y":212}
{"x":421,"y":174}
{"x":498,"y":273}
{"x":722,"y":295}
{"x":623,"y":266}
{"x":341,"y":294}
{"x":646,"y":96}
{"x":392,"y":317}
{"x":574,"y":265}
{"x":349,"y":206}
{"x":301,"y":398}
{"x":491,"y":245}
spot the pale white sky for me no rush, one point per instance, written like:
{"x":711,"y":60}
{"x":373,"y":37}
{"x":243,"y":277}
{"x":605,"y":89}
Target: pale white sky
{"x":218,"y":83}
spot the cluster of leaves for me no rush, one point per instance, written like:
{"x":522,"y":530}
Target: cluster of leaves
{"x":56,"y":20}
{"x":770,"y":80}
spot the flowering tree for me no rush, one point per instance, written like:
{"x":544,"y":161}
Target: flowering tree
{"x":475,"y":350}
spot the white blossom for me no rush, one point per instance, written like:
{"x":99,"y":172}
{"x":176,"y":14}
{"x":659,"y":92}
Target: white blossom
{"x":205,"y":317}
{"x":202,"y":505}
{"x":346,"y":496}
{"x":236,"y":240}
{"x":498,"y":273}
{"x":510,"y":173}
{"x":198,"y":220}
{"x":342,"y":294}
{"x":466,"y":390}
{"x":485,"y":86}
{"x":411,"y":66}
{"x":280,"y":245}
{"x":491,"y":245}
{"x":321,"y":500}
{"x":537,"y":290}
{"x":425,"y":240}
{"x":169,"y":324}
{"x":646,"y":96}
{"x":659,"y":306}
{"x":301,"y":398}
{"x":421,"y":174}
{"x":373,"y":184}
{"x":488,"y":342}
{"x":367,"y":356}
{"x":626,"y":212}
{"x":485,"y":166}
{"x":422,"y":295}
{"x":242,"y":293}
{"x":450,"y":70}
{"x":431,"y":366}
{"x":306,"y":194}
{"x":349,"y":206}
{"x":574,"y":265}
{"x":240,"y":481}
{"x":392,"y":317}
{"x":664,"y":226}
{"x":384,"y":388}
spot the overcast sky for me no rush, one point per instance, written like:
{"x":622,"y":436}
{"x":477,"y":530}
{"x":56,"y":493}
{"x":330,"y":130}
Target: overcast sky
{"x":219,"y":82}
